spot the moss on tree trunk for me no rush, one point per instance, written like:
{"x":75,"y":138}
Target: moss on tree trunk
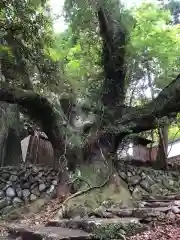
{"x":95,"y":174}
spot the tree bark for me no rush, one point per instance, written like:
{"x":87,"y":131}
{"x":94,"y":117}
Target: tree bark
{"x":10,"y":143}
{"x":139,"y":119}
{"x":150,"y":84}
{"x":41,"y":110}
{"x":161,"y":159}
{"x":114,"y":38}
{"x":113,"y":55}
{"x":167,"y":103}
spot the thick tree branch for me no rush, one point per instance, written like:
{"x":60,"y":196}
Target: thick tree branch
{"x":167,"y":103}
{"x":138,"y":119}
{"x":40,"y":109}
{"x":135,"y":120}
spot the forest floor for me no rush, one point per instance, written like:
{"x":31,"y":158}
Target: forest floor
{"x":39,"y":213}
{"x":169,"y":230}
{"x":165,"y":231}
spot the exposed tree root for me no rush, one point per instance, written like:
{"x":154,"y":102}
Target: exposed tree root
{"x":82,"y":179}
{"x":79,"y":193}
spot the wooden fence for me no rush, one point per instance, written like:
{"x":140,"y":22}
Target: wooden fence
{"x":37,"y":149}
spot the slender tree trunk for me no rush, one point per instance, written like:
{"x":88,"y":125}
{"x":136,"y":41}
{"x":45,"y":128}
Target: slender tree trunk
{"x":150,"y":84}
{"x":161,"y":159}
{"x":151,"y":145}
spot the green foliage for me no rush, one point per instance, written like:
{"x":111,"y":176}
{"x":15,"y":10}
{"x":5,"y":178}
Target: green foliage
{"x":173,"y":133}
{"x":80,"y":15}
{"x":117,"y":231}
{"x":174,"y":130}
{"x":156,"y":42}
{"x":79,"y":49}
{"x":76,"y":52}
{"x":27,"y":22}
{"x":26,"y":34}
{"x":111,"y":231}
{"x":5,"y":50}
{"x":79,"y":60}
{"x":153,"y":54}
{"x":70,"y":61}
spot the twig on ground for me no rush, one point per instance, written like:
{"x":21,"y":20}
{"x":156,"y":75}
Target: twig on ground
{"x":80,"y":179}
{"x":81,"y":193}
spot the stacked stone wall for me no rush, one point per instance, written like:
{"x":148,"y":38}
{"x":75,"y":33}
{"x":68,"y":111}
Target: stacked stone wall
{"x":24,"y":184}
{"x":146,"y":180}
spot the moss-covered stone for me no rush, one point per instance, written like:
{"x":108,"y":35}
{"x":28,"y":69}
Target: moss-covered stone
{"x":151,"y":181}
{"x":118,"y":231}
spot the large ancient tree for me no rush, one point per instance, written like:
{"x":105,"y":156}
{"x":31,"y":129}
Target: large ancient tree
{"x":55,"y":123}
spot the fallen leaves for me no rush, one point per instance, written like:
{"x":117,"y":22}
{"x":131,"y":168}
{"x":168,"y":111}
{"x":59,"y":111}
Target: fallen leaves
{"x":170,"y":230}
